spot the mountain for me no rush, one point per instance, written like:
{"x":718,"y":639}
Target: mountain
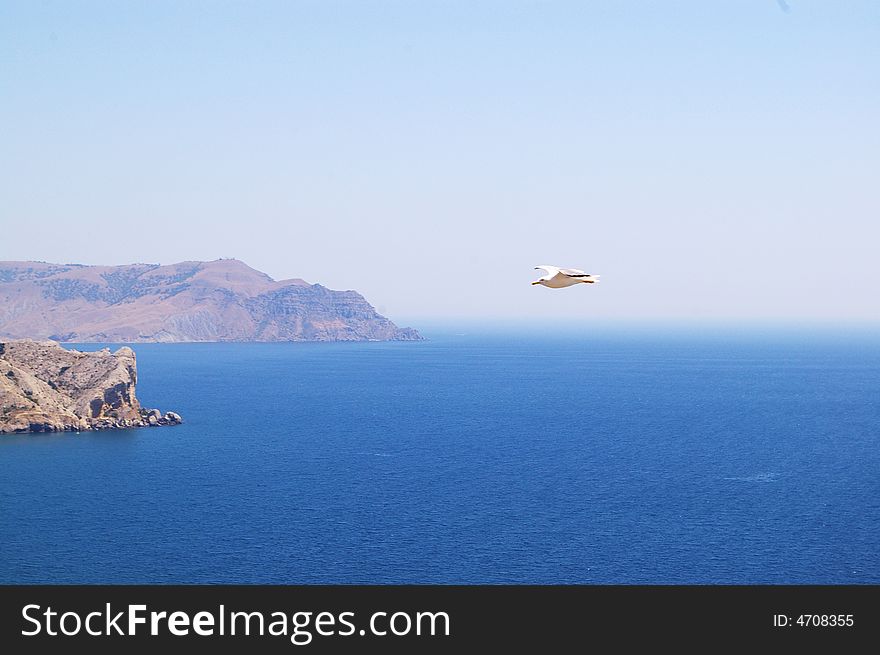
{"x":45,"y":388}
{"x":222,"y":300}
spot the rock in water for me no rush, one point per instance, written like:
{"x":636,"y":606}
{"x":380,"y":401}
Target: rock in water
{"x":45,"y":388}
{"x":223,"y":300}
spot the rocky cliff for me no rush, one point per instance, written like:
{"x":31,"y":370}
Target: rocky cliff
{"x":223,"y":300}
{"x":45,"y":388}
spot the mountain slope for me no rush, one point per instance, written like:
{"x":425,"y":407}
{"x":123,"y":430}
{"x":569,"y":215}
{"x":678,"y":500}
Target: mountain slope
{"x":222,"y":300}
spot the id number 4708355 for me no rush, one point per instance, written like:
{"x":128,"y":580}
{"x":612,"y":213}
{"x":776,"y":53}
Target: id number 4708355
{"x":814,"y":620}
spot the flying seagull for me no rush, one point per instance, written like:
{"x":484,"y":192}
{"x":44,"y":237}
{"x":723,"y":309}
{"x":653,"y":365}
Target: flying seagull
{"x":559,"y":278}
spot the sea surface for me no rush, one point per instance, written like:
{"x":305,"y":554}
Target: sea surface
{"x":739,"y":456}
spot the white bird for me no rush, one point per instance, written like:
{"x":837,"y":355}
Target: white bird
{"x":559,"y":278}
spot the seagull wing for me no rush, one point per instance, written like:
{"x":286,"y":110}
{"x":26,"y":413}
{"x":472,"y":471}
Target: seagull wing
{"x":573,"y":272}
{"x":550,"y":270}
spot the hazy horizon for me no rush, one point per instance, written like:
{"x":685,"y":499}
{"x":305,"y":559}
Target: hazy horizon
{"x":713,"y":162}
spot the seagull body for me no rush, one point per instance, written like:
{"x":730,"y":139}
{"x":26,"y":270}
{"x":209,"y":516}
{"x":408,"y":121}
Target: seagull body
{"x":559,"y":278}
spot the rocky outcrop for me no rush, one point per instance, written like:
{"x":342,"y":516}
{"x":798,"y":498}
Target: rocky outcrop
{"x":45,"y":388}
{"x":223,"y":300}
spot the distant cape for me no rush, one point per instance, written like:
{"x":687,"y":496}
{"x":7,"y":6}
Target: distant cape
{"x":222,"y":300}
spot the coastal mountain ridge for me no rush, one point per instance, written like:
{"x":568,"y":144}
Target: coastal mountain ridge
{"x":221,"y":300}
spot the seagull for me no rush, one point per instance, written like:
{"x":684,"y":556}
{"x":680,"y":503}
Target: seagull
{"x":559,"y":278}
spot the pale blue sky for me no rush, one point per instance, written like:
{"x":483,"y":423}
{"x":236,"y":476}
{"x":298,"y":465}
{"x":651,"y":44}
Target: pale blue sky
{"x":708,"y":159}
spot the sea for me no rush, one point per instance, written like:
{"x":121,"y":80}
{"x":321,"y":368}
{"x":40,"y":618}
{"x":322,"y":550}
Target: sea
{"x":481,"y":455}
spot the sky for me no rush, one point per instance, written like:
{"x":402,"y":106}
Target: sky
{"x":710,"y":160}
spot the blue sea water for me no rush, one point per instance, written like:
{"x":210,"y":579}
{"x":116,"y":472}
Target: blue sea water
{"x":480,"y":457}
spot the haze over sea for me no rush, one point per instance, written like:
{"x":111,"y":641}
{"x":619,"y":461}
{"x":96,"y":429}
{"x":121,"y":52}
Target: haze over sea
{"x":478,"y":456}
